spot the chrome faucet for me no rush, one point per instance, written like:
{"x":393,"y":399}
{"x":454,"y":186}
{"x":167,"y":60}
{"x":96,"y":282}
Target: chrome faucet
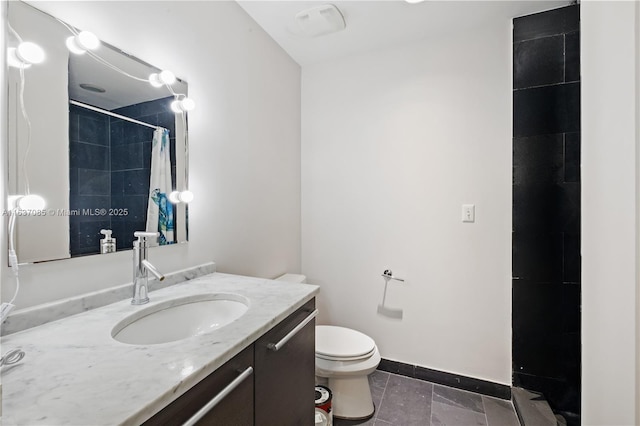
{"x":142,"y":267}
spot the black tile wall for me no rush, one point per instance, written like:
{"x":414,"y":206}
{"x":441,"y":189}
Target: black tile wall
{"x":572,"y":157}
{"x":85,"y":235}
{"x":88,"y":156}
{"x":553,"y":22}
{"x":127,"y":157}
{"x":538,"y":159}
{"x":537,"y":256}
{"x":110,"y":165}
{"x":93,"y":130}
{"x":546,"y":109}
{"x":571,"y":258}
{"x":572,"y":56}
{"x":89,"y":186}
{"x":93,"y":182}
{"x":546,"y":206}
{"x":538,"y":62}
{"x":131,"y":164}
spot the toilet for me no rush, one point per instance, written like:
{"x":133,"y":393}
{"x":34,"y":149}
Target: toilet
{"x":344,"y":359}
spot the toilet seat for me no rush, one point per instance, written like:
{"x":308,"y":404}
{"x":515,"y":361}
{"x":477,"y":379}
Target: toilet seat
{"x":345,"y":358}
{"x":342,"y":344}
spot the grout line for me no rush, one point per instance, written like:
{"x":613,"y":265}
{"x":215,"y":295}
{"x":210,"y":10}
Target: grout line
{"x":515,"y":413}
{"x":564,"y":57}
{"x":384,"y":390}
{"x":433,"y":391}
{"x":484,"y":409}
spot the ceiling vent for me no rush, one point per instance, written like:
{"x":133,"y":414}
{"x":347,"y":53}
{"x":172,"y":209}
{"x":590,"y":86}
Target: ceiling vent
{"x":320,"y":20}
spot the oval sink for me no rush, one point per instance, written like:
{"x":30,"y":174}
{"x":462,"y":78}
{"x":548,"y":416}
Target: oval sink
{"x":179,"y":319}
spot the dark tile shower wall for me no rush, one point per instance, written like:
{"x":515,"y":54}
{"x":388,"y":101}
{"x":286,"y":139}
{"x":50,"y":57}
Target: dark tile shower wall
{"x":110,"y":163}
{"x":131,"y":164}
{"x":89,"y":175}
{"x":546,"y":206}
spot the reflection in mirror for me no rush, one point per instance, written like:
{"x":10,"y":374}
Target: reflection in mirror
{"x":107,"y":148}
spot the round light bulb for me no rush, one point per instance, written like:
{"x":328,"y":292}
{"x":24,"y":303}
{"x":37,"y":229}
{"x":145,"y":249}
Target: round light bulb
{"x":174,"y":197}
{"x":176,"y":106}
{"x":154,"y":80}
{"x":188,"y":104}
{"x":30,"y":53}
{"x":186,"y":196}
{"x":14,"y":61}
{"x":167,"y":77}
{"x":88,"y":40}
{"x":72,"y":45}
{"x":31,"y":202}
{"x":182,"y":105}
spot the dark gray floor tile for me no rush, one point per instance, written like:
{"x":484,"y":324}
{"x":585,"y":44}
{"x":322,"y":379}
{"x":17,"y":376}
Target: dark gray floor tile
{"x":458,"y":398}
{"x":406,"y":402}
{"x":499,"y":412}
{"x":376,"y":394}
{"x":378,"y":379}
{"x":342,"y":422}
{"x":443,"y":414}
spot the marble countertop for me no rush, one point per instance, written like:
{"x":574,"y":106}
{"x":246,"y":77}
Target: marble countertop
{"x":75,"y":373}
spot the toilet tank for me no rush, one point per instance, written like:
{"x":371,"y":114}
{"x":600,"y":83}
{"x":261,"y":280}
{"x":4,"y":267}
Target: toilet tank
{"x":292,"y":278}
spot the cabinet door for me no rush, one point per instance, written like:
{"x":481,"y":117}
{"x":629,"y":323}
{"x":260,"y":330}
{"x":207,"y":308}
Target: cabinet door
{"x":285,"y":378}
{"x":236,"y":409}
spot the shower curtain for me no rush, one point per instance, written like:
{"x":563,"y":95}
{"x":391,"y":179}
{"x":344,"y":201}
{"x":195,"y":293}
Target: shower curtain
{"x":159,"y":209}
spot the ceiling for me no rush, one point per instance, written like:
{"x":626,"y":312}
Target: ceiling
{"x":373,"y":25}
{"x":120,"y":90}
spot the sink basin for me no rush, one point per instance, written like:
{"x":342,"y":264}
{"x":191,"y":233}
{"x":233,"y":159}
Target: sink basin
{"x":179,"y":319}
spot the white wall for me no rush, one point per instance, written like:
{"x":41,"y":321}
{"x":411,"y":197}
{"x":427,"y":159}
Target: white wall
{"x":393,"y":143}
{"x":610,"y":92}
{"x":47,"y":161}
{"x":3,"y":134}
{"x":244,"y":142}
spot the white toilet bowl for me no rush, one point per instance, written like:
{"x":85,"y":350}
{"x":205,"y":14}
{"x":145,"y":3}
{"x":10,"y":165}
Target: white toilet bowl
{"x":344,"y":359}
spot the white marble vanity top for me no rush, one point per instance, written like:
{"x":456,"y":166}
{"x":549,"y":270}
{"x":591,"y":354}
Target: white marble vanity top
{"x":75,"y":373}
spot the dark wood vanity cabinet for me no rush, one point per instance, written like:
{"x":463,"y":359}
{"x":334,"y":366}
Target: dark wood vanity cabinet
{"x":236,"y":409}
{"x":279,"y":390}
{"x":285,"y":378}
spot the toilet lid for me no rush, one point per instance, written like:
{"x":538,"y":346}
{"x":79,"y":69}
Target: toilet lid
{"x":339,"y":342}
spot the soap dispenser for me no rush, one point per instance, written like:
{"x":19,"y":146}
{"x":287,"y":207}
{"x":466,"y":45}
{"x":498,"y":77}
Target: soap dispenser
{"x":107,"y":244}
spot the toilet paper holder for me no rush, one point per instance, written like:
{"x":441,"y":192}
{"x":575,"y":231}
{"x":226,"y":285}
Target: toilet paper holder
{"x":383,"y":309}
{"x":388,"y":275}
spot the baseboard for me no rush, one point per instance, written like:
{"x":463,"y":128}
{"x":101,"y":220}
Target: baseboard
{"x":471,"y":384}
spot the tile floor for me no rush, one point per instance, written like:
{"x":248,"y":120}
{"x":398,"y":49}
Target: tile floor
{"x":403,"y":401}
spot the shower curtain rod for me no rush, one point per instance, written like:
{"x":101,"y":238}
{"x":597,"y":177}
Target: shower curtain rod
{"x":113,"y":114}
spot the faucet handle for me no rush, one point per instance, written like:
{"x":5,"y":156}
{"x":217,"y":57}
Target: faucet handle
{"x":141,"y":235}
{"x":142,"y":238}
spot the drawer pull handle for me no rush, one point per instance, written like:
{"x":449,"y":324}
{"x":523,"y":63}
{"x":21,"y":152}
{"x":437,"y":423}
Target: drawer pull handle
{"x":219,"y":397}
{"x":276,"y":346}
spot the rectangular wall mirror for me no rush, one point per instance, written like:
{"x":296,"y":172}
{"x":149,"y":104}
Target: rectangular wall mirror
{"x":99,"y":143}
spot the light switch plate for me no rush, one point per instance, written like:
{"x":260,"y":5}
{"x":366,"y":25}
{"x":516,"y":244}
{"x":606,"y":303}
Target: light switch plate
{"x":468,"y":213}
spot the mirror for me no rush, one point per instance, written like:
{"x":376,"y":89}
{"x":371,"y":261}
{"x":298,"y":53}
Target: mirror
{"x":101,"y":145}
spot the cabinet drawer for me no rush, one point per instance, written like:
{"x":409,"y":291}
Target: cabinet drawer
{"x":236,"y":409}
